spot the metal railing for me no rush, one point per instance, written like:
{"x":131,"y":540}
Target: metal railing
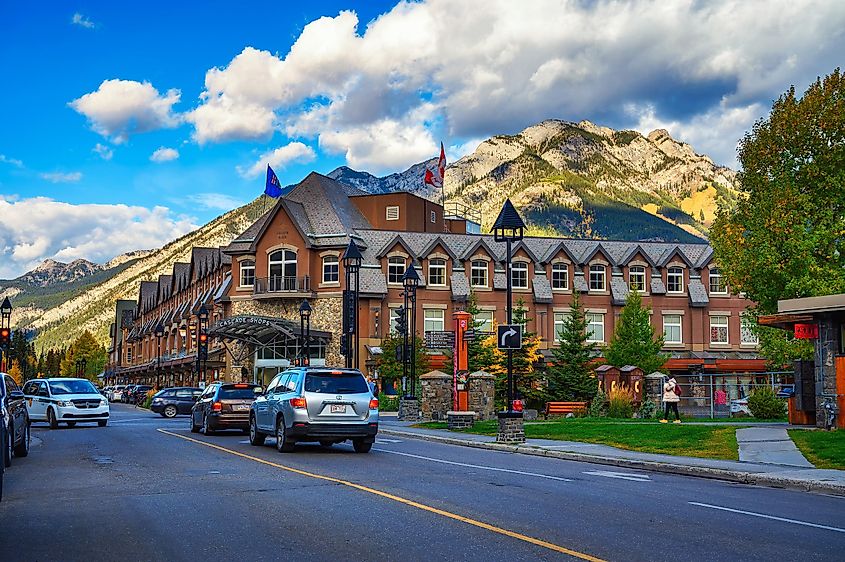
{"x":724,"y":394}
{"x":281,"y":284}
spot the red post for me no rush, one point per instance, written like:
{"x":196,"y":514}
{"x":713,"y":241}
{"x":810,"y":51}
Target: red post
{"x":459,"y":352}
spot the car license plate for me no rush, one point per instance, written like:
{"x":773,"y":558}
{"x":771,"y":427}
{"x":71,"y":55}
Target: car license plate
{"x":240,"y":407}
{"x":338,"y":408}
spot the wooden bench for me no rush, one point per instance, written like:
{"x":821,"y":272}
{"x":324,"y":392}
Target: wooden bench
{"x":563,"y":408}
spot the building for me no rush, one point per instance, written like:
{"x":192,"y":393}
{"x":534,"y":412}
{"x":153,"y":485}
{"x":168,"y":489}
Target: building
{"x":253,"y":288}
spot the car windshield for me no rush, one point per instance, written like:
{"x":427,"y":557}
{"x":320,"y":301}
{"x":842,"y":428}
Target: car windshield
{"x":72,"y":387}
{"x":237,"y":392}
{"x":336,"y":383}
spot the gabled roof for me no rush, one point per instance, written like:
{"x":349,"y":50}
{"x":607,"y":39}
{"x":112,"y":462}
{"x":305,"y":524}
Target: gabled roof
{"x":560,"y":246}
{"x":392,"y":243}
{"x":164,"y":287}
{"x":521,"y":245}
{"x":147,"y":297}
{"x":181,"y":276}
{"x":672,"y":252}
{"x":292,"y":210}
{"x":480,"y":244}
{"x":633,"y":251}
{"x":434,"y":243}
{"x":599,"y":248}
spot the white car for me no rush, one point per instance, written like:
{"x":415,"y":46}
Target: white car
{"x":116,"y":393}
{"x":61,"y":400}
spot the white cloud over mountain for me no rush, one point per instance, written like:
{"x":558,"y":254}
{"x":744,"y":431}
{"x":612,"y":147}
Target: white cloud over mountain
{"x":279,"y":158}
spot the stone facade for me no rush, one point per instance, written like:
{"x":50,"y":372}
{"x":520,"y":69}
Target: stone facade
{"x":826,"y":347}
{"x":435,"y":395}
{"x":511,"y":428}
{"x":460,"y":420}
{"x":409,"y":409}
{"x":481,"y":387}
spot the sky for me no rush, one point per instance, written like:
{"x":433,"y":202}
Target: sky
{"x":126,"y":125}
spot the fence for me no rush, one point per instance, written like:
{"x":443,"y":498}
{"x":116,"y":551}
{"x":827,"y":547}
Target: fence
{"x":722,"y":395}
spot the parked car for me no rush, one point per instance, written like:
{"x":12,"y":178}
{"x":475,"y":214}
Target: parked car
{"x":126,"y":395}
{"x":174,"y":401}
{"x":223,"y":406}
{"x":139,"y":393}
{"x":316,"y":404}
{"x":105,"y":391}
{"x":64,"y":400}
{"x":116,"y":393}
{"x":15,"y":421}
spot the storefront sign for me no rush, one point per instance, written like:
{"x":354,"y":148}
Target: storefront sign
{"x":806,"y":331}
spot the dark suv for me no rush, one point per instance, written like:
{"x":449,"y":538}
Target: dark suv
{"x":172,"y":401}
{"x":223,"y":406}
{"x":15,"y":421}
{"x":316,"y":404}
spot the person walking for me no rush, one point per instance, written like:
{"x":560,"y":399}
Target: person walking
{"x":671,"y":397}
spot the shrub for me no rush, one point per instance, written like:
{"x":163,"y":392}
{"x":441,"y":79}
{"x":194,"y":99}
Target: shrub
{"x":596,"y":409}
{"x":620,"y":402}
{"x":388,"y":403}
{"x":649,"y":410}
{"x":765,"y":404}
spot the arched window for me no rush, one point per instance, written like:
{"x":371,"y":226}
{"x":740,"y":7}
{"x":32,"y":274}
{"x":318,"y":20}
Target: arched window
{"x":247,"y":273}
{"x":282,"y":268}
{"x":636,"y":278}
{"x":330,"y":270}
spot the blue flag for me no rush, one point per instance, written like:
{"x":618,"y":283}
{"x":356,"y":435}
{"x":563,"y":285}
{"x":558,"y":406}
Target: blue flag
{"x":273,"y":187}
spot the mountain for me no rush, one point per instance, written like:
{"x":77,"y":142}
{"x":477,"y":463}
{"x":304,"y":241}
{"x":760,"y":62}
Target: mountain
{"x":580,"y":179}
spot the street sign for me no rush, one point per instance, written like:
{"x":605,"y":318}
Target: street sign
{"x":469,"y":335}
{"x":806,"y":331}
{"x":509,"y":336}
{"x":440,"y":340}
{"x":348,"y":320}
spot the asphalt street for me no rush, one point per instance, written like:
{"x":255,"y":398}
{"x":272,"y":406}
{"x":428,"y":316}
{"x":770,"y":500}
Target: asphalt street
{"x":145,"y":488}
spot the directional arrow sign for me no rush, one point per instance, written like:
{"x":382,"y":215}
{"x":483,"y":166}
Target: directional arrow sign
{"x":509,"y":336}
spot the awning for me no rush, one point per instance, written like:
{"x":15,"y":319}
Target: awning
{"x":260,"y":330}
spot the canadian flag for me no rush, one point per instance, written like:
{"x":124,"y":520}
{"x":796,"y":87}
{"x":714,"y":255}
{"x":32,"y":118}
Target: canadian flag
{"x":435,"y":178}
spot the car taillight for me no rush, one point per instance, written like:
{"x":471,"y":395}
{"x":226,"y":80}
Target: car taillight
{"x":298,"y":403}
{"x":216,"y":407}
{"x":374,"y":404}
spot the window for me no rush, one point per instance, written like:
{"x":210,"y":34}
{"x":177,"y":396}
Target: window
{"x":331,"y":271}
{"x":247,"y":273}
{"x":672,"y":328}
{"x":717,"y":283}
{"x":719,"y":329}
{"x":597,"y":275}
{"x":560,"y":319}
{"x":675,"y":280}
{"x":560,"y":276}
{"x":433,"y":217}
{"x":483,"y":321}
{"x":392,"y":213}
{"x":282,"y":268}
{"x":595,"y":326}
{"x":437,"y":272}
{"x":519,"y":275}
{"x":478,"y":273}
{"x":395,"y":270}
{"x":747,"y":336}
{"x":433,"y":320}
{"x":636,"y":278}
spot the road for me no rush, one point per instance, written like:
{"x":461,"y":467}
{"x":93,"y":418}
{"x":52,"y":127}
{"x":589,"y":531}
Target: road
{"x":145,"y":488}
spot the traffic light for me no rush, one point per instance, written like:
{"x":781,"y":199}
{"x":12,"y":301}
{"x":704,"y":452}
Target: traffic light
{"x":5,"y":337}
{"x":401,"y":321}
{"x":202,"y":347}
{"x":343,"y":346}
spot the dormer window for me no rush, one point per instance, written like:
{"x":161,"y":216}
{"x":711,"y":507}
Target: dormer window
{"x":437,"y":272}
{"x":597,"y":278}
{"x":392,"y":213}
{"x":675,"y":280}
{"x":395,"y":270}
{"x":519,"y":275}
{"x":247,"y":273}
{"x":560,"y":276}
{"x":636,"y":278}
{"x":478,"y":273}
{"x":717,"y":283}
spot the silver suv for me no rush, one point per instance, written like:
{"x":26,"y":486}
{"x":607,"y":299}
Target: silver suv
{"x":315,"y":404}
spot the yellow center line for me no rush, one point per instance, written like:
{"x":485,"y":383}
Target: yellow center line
{"x":424,"y":507}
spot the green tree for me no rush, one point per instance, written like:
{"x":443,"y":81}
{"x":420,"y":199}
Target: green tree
{"x":570,"y":375}
{"x":391,"y":370}
{"x":480,"y":351}
{"x":85,"y":347}
{"x":529,"y":384}
{"x":783,"y":236}
{"x":634,"y":341}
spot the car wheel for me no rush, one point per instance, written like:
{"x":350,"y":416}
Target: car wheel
{"x":22,"y":449}
{"x":194,"y":427}
{"x":206,"y":427}
{"x":255,"y":437}
{"x":102,"y":423}
{"x":51,"y":419}
{"x":362,"y":446}
{"x":7,"y":448}
{"x":283,"y":444}
{"x":71,"y":424}
{"x":325,"y":443}
{"x":169,"y":411}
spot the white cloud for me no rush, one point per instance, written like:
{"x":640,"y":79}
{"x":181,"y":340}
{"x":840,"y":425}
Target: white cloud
{"x":164,"y":154}
{"x":82,"y":21}
{"x":13,"y":161}
{"x":119,"y":108}
{"x":215,"y":201}
{"x":104,"y":151}
{"x":279,"y":158}
{"x":61,"y":177}
{"x":38,"y":228}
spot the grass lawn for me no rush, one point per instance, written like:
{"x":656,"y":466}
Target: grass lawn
{"x":712,"y":442}
{"x":825,"y":449}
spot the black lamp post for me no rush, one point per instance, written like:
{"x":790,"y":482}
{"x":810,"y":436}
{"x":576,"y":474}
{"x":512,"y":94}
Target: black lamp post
{"x":80,"y":367}
{"x":305,"y":331}
{"x":202,"y":316}
{"x":509,"y":228}
{"x":159,"y":332}
{"x":410,"y":281}
{"x":352,"y":259}
{"x":6,"y":329}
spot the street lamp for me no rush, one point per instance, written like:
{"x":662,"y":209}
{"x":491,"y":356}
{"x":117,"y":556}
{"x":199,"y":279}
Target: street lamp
{"x":159,"y":332}
{"x":305,"y":330}
{"x":5,"y":329}
{"x":509,"y":228}
{"x":410,"y":282}
{"x":352,"y":259}
{"x":202,"y":316}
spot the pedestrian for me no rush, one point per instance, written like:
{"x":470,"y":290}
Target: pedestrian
{"x":671,"y":397}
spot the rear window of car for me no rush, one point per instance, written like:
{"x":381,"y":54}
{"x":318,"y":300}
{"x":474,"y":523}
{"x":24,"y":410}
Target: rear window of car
{"x":340,"y":382}
{"x":237,"y":392}
{"x":72,"y":387}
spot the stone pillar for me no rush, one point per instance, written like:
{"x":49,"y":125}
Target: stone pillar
{"x":435,"y":395}
{"x":409,"y":409}
{"x":481,"y":388}
{"x":460,"y":420}
{"x":511,"y":428}
{"x":826,"y":347}
{"x":654,"y":388}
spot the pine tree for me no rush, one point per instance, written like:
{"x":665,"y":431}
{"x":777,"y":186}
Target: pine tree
{"x":634,"y":341}
{"x":391,"y":370}
{"x":570,"y":376}
{"x":480,"y":351}
{"x":529,"y":384}
{"x":15,"y":372}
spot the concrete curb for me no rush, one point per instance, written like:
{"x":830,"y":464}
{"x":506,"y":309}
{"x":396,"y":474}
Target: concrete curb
{"x":753,"y":478}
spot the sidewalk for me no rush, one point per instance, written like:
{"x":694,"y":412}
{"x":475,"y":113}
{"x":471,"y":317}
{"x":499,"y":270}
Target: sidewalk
{"x":783,"y":475}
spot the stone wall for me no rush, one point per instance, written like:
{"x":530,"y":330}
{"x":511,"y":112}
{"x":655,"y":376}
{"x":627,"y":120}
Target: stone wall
{"x":826,"y":347}
{"x":435,"y":395}
{"x":481,"y":387}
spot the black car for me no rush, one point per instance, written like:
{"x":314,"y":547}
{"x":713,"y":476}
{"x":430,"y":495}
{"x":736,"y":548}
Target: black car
{"x":15,"y":421}
{"x":224,"y":406}
{"x":139,"y":394}
{"x":126,"y":397}
{"x":173,"y":401}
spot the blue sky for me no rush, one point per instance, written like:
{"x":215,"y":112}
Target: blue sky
{"x":126,"y":125}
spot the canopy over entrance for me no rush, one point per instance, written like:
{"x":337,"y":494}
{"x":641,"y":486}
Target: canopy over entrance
{"x":261,"y":331}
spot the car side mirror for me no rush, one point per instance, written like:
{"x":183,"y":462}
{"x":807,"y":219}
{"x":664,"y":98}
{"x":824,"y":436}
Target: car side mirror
{"x":16,"y":395}
{"x":259,"y":391}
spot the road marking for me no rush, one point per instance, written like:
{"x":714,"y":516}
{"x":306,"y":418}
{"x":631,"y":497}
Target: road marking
{"x":494,"y":469}
{"x":383,"y":440}
{"x":620,"y":475}
{"x":411,"y":503}
{"x":772,"y":517}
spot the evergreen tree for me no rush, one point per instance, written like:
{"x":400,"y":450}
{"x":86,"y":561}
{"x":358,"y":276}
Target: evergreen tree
{"x":15,"y":372}
{"x":571,"y":376}
{"x":391,"y":370}
{"x":85,"y":347}
{"x":529,"y":384}
{"x":634,"y":341}
{"x":480,"y":351}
